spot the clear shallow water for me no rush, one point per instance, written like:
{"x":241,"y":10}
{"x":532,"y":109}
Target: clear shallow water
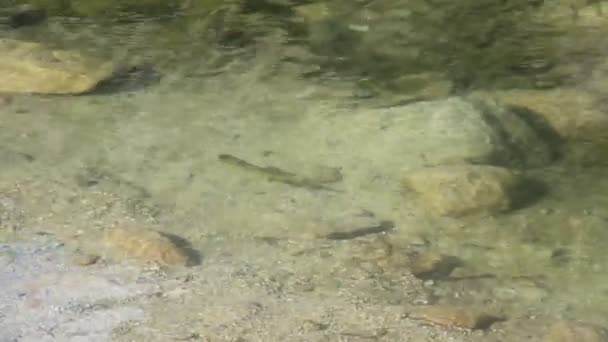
{"x":147,"y":154}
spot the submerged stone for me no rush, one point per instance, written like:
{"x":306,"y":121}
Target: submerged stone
{"x":392,"y":141}
{"x":572,"y":118}
{"x":433,"y":265}
{"x":29,"y":67}
{"x":147,"y":245}
{"x":454,"y":317}
{"x":456,"y":190}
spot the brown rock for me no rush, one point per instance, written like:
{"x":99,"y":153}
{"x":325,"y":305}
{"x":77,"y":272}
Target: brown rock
{"x":456,"y":190}
{"x":569,"y":331}
{"x":147,"y":245}
{"x":433,"y":265}
{"x":28,"y":67}
{"x":84,"y":259}
{"x":453,"y":317}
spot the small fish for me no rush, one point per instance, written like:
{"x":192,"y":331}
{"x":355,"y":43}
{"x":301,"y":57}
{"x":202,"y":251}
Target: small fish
{"x":383,"y":227}
{"x":274,"y":174}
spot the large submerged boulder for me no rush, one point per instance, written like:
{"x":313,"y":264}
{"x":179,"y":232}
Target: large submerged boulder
{"x":30,"y":67}
{"x":452,"y":131}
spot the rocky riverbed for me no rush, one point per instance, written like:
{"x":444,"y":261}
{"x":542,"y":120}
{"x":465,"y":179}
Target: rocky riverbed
{"x":170,"y":189}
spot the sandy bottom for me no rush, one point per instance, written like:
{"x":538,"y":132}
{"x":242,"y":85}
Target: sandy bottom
{"x":261,"y":293}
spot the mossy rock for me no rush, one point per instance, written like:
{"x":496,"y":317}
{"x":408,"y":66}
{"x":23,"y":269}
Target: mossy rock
{"x":105,"y":8}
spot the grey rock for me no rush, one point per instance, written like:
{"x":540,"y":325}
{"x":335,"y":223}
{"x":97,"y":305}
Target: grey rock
{"x":456,"y":130}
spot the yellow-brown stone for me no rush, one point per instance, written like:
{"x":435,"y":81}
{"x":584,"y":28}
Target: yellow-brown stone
{"x":146,"y":245}
{"x":29,"y":67}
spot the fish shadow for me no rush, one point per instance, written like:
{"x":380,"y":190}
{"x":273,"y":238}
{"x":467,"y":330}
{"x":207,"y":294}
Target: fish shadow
{"x":195,"y":258}
{"x":128,"y":79}
{"x":528,"y":192}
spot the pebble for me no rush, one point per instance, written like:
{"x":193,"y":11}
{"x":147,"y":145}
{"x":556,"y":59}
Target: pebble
{"x":454,"y":317}
{"x":433,"y":266}
{"x":82,"y":259}
{"x":459,"y":190}
{"x":147,"y":245}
